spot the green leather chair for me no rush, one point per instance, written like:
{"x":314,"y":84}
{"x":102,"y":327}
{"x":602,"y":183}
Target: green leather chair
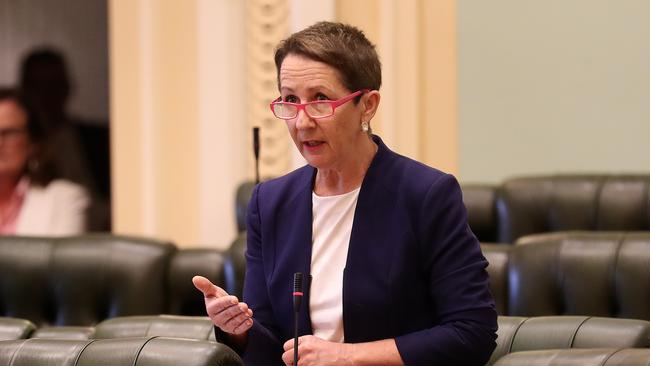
{"x":518,"y":334}
{"x":144,"y":351}
{"x":13,"y":328}
{"x":191,"y":327}
{"x":579,"y":357}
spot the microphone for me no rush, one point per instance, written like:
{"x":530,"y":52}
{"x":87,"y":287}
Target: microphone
{"x":297,"y":300}
{"x":256,"y":151}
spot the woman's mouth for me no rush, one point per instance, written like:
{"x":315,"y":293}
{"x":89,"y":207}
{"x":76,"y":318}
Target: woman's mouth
{"x":312,"y":145}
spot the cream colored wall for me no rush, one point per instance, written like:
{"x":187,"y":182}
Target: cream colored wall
{"x":189,"y":79}
{"x":178,"y":116}
{"x":416,"y":41}
{"x":553,"y":86}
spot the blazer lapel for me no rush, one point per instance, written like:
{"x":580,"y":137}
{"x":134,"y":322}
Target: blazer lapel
{"x":369,"y":255}
{"x":299,"y":211}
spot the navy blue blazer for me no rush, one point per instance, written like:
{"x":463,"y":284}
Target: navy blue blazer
{"x":414,"y":271}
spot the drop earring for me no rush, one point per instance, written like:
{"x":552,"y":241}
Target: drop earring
{"x":365,"y":127}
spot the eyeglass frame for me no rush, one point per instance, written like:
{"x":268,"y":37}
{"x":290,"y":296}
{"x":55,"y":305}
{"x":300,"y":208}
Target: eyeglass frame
{"x":303,"y":106}
{"x":12,"y":133}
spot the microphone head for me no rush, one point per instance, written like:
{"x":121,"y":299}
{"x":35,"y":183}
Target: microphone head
{"x":297,"y":282}
{"x":256,"y":141}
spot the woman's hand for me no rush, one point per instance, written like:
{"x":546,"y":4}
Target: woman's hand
{"x":314,"y":351}
{"x":225,"y":311}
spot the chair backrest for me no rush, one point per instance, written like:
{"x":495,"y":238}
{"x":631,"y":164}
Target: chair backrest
{"x":184,"y":298}
{"x":582,"y":357}
{"x":191,"y":327}
{"x":572,"y":202}
{"x":82,"y":280}
{"x":145,"y":351}
{"x":242,"y":196}
{"x":516,"y":334}
{"x":64,"y":332}
{"x":479,"y":200}
{"x":498,"y":257}
{"x":581,"y":273}
{"x":12,"y":328}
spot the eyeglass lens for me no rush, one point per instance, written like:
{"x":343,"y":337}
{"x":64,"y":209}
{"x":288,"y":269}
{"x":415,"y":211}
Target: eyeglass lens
{"x":313,"y":110}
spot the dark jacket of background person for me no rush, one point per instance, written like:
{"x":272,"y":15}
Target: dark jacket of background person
{"x":77,"y":149}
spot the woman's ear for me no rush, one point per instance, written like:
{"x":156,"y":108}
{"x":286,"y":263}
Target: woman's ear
{"x":370,"y":103}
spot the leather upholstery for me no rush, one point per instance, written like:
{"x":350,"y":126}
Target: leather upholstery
{"x":480,"y":201}
{"x":146,"y":351}
{"x":12,"y":328}
{"x":64,"y":332}
{"x":516,"y":334}
{"x":498,"y":257}
{"x":82,"y":280}
{"x":581,"y":273}
{"x":582,"y":357}
{"x":572,"y":202}
{"x":243,"y":195}
{"x":235,"y":266}
{"x":183,"y":297}
{"x":190,"y":327}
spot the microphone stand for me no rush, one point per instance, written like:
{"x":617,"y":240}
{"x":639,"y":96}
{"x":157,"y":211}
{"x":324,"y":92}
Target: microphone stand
{"x":297,"y":298}
{"x":256,"y":151}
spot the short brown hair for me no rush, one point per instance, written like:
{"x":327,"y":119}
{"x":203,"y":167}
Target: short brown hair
{"x":339,"y":45}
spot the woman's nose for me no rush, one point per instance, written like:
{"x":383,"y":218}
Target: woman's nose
{"x":303,"y":121}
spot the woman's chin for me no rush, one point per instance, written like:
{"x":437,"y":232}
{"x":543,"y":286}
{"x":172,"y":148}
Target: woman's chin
{"x":318,"y":162}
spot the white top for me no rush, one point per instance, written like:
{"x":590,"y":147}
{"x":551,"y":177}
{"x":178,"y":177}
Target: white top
{"x":57,"y":209}
{"x":332,"y":226}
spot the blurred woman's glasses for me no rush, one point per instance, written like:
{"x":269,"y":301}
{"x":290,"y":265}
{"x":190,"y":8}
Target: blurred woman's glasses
{"x":316,"y":109}
{"x":11,"y":134}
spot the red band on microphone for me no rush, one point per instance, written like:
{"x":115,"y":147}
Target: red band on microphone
{"x":297,"y":293}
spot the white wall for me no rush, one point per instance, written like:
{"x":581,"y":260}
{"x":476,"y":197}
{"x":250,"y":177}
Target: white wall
{"x":553,"y":86}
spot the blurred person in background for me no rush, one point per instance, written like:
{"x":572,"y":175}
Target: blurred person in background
{"x":32,"y":200}
{"x":78,"y":149}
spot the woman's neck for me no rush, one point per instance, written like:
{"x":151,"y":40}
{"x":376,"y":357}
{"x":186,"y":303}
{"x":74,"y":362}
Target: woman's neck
{"x":340,"y":180}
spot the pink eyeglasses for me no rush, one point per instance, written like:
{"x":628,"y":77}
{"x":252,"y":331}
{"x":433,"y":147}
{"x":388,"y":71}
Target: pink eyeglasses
{"x":316,"y":109}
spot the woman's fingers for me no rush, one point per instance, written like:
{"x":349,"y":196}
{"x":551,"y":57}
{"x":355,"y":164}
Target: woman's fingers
{"x":228,"y":313}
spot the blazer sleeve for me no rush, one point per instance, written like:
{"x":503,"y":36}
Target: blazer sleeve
{"x":264,"y":346}
{"x":458,"y":285}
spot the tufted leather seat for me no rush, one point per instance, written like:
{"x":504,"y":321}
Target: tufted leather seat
{"x":516,"y":334}
{"x":64,"y":332}
{"x":144,"y":351}
{"x":572,"y":273}
{"x":12,"y":328}
{"x":580,"y":273}
{"x":191,"y":327}
{"x":572,"y":202}
{"x":582,"y":357}
{"x":82,"y":280}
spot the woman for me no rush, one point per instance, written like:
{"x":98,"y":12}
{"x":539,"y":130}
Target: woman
{"x":31,"y":201}
{"x":396,"y":275}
